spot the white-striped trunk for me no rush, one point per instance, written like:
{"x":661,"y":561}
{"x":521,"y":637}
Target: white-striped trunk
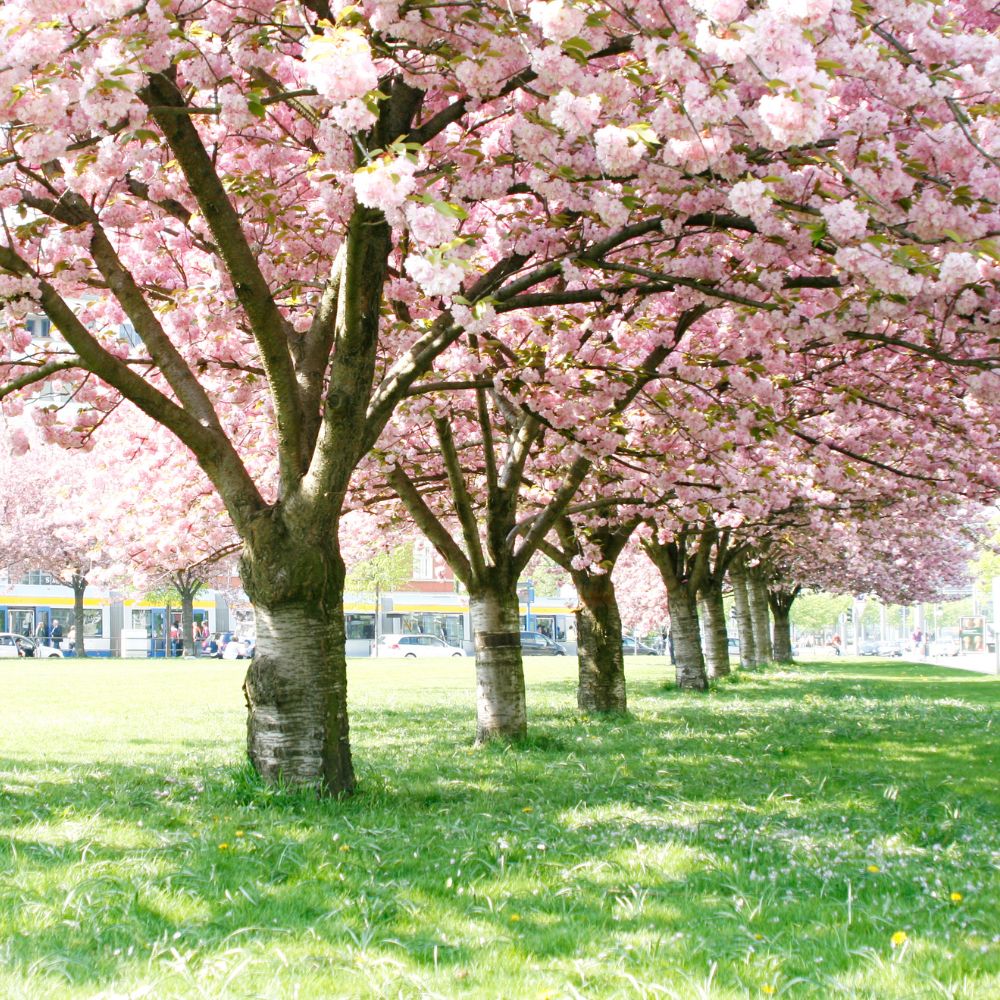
{"x":689,"y":661}
{"x":296,"y":688}
{"x":760,"y":616}
{"x":744,"y":621}
{"x":501,"y":712}
{"x":296,"y":693}
{"x":713,"y":613}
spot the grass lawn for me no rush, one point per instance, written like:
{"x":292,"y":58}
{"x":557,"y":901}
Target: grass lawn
{"x":827,"y":831}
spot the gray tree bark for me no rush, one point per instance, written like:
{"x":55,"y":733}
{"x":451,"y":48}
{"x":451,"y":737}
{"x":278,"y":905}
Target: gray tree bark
{"x":780,"y":602}
{"x":744,"y":622}
{"x":501,"y":710}
{"x":782,"y":637}
{"x":713,"y":614}
{"x":601,"y":686}
{"x":187,"y":586}
{"x":760,"y":617}
{"x":79,"y":588}
{"x":296,"y":687}
{"x":688,"y":656}
{"x":681,"y":575}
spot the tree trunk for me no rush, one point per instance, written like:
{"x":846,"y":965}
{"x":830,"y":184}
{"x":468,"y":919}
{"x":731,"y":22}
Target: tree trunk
{"x":79,"y":587}
{"x":188,"y":591}
{"x":713,"y":612}
{"x":689,"y":662}
{"x":781,"y":602}
{"x":782,"y":637}
{"x":501,"y":713}
{"x":744,"y":621}
{"x":760,"y":617}
{"x":601,"y":686}
{"x":296,"y":687}
{"x":187,"y":622}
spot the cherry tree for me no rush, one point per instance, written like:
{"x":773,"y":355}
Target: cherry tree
{"x":49,"y":502}
{"x":589,"y":555}
{"x":165,"y":523}
{"x":299,"y":208}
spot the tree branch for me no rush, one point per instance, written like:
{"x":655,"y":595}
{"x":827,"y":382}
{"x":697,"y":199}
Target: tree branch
{"x":428,"y":523}
{"x":41,"y":373}
{"x":460,"y":497}
{"x":270,"y":330}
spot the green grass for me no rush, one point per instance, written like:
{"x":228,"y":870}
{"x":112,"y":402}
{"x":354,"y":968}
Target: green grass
{"x":707,"y":846}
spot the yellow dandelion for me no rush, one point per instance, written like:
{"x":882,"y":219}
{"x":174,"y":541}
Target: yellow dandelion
{"x":898,"y":939}
{"x":223,"y":847}
{"x":239,"y":833}
{"x":767,"y":989}
{"x":874,"y":869}
{"x":758,"y":937}
{"x":345,"y":847}
{"x":527,"y":809}
{"x":514,"y":918}
{"x":956,"y":897}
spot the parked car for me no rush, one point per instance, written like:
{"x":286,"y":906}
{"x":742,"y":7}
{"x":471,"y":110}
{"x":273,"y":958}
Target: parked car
{"x":410,"y":646}
{"x":945,"y":646}
{"x":868,"y":647}
{"x":538,"y":644}
{"x":891,"y":647}
{"x":633,"y":647}
{"x":13,"y":645}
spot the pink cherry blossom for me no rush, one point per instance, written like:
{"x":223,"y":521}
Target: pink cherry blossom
{"x":339,"y":64}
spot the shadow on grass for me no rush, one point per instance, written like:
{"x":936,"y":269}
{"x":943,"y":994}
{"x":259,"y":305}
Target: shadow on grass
{"x":724,"y":830}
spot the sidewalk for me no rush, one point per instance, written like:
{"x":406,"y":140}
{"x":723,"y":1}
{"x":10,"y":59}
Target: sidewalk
{"x":981,"y":663}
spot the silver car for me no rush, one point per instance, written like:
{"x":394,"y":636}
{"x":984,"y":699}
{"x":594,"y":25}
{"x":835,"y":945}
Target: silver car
{"x":415,"y":644}
{"x":13,"y":645}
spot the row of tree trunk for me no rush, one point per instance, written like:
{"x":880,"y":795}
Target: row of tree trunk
{"x":601,"y":686}
{"x":286,"y":696}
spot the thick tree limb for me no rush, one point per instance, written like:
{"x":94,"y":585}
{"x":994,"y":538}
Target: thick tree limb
{"x":427,"y":521}
{"x":270,"y":330}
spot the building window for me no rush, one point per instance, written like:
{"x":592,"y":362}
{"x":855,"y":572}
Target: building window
{"x":39,"y":327}
{"x":423,"y":560}
{"x":93,"y":623}
{"x":36,"y":578}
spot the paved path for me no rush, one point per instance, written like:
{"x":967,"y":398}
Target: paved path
{"x":981,"y":663}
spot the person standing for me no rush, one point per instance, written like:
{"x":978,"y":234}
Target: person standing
{"x":56,"y":633}
{"x":42,"y":632}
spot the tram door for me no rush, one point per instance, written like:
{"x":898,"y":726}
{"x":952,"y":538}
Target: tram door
{"x":21,"y":620}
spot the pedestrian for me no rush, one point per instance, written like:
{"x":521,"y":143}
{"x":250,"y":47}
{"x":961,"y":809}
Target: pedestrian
{"x":56,"y":633}
{"x":42,"y":632}
{"x":836,"y":642}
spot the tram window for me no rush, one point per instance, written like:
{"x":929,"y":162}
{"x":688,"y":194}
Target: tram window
{"x":93,"y":623}
{"x":21,"y":620}
{"x":142,"y":618}
{"x":359,"y":626}
{"x":546,"y":625}
{"x":449,"y":627}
